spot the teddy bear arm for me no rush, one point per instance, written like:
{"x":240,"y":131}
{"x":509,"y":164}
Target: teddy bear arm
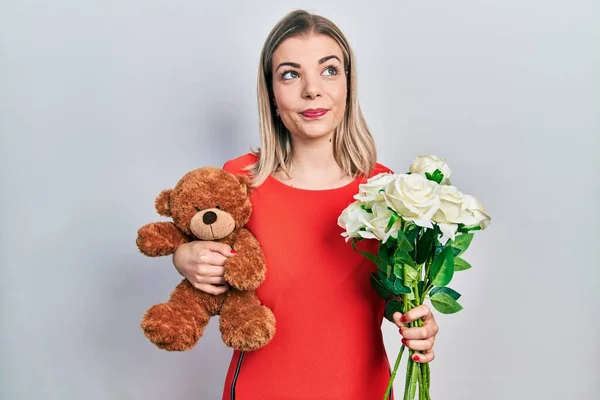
{"x":250,"y":250}
{"x":247,"y":269}
{"x":159,"y":239}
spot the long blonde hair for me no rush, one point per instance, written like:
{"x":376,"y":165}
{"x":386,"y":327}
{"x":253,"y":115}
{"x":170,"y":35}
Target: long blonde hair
{"x":354,"y":148}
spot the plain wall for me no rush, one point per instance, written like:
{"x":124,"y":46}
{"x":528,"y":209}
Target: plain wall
{"x":103,"y":104}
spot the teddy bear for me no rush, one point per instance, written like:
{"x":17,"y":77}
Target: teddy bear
{"x":210,"y":204}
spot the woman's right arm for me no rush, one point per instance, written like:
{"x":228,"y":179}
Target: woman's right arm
{"x":202,"y":264}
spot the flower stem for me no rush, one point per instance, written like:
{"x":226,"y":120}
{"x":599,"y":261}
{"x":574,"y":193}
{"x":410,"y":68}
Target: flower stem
{"x":421,"y":380}
{"x":408,"y":381}
{"x":387,"y":391}
{"x":423,"y":385}
{"x":412,"y":386}
{"x":427,"y":379}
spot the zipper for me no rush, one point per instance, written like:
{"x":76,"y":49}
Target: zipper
{"x":235,"y":376}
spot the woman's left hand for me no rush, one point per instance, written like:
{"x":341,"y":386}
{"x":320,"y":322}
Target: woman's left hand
{"x":418,"y":338}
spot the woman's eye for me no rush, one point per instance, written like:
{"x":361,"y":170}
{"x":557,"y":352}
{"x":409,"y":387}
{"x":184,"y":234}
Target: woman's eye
{"x":289,"y":75}
{"x":331,"y":71}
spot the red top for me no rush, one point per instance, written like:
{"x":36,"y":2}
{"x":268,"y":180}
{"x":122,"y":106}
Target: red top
{"x":328,"y":343}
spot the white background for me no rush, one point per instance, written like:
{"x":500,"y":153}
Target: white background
{"x":105,"y":103}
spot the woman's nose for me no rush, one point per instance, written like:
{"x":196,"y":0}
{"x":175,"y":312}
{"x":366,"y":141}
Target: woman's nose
{"x":312,"y":87}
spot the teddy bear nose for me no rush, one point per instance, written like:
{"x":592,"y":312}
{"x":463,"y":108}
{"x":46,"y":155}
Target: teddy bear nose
{"x":209,"y":217}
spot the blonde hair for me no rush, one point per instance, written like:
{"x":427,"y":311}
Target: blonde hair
{"x":354,"y":148}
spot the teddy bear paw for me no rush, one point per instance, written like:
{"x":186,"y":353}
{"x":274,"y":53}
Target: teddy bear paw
{"x":251,"y":334}
{"x":170,"y":329}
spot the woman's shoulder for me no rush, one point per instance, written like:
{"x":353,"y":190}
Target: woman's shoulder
{"x":237,"y":165}
{"x":380,"y":169}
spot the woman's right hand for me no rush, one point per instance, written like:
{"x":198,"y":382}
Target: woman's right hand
{"x":202,"y":264}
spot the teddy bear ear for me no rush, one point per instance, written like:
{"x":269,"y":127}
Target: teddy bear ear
{"x":246,"y":181}
{"x":162,"y":203}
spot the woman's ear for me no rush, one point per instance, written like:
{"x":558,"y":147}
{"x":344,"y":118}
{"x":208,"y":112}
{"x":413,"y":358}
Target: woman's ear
{"x":162,"y":203}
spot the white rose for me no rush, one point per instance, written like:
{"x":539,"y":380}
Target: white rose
{"x":473,"y":213}
{"x":352,"y":219}
{"x":376,"y":227}
{"x":429,"y":163}
{"x":369,"y":193}
{"x":414,"y":197}
{"x":449,"y":214}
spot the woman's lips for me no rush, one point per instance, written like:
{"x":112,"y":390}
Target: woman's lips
{"x":314,"y":113}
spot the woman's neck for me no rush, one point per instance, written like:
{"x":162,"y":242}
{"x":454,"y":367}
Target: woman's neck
{"x":313,"y":166}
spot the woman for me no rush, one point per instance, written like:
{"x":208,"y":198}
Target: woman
{"x":315,"y":151}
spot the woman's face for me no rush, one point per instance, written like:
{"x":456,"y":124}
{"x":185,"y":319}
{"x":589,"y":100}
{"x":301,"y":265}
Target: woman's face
{"x":309,"y":85}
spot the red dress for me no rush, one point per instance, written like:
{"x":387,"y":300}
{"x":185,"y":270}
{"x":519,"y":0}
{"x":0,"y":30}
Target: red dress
{"x":328,"y":343}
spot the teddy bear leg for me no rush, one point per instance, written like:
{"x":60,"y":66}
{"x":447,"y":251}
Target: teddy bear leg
{"x":178,"y":324}
{"x":245,"y":323}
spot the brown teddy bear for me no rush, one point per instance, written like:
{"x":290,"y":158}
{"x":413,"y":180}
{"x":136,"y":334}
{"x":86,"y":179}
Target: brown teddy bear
{"x":208,"y":204}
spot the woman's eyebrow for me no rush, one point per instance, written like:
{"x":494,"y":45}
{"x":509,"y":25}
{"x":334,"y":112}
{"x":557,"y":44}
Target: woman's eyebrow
{"x":296,"y":65}
{"x":291,"y":64}
{"x":325,"y":59}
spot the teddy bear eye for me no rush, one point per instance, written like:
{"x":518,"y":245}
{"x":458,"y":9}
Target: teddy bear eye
{"x":219,"y":207}
{"x":197,"y":208}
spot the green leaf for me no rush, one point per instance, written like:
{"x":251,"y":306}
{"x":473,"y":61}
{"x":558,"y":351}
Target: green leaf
{"x":399,"y":271}
{"x":412,"y":232}
{"x":395,"y":286}
{"x":391,"y":307}
{"x":411,"y":273}
{"x":424,"y":244}
{"x":400,"y":288}
{"x":391,"y":243}
{"x":411,"y":235}
{"x":381,"y":264}
{"x":455,"y":251}
{"x":403,"y":242}
{"x":442,"y":268}
{"x":450,"y":292}
{"x":437,"y":176}
{"x":461,"y":242}
{"x":445,"y":304}
{"x":460,"y":264}
{"x":387,"y":271}
{"x":378,"y":286}
{"x":383,"y":275}
{"x":386,"y":254}
{"x":392,"y":221}
{"x":402,"y":257}
{"x":463,"y":229}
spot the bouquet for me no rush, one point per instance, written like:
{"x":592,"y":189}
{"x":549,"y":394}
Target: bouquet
{"x":423,"y":225}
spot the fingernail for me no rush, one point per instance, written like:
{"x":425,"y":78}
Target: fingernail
{"x":416,"y":357}
{"x":400,"y":330}
{"x":403,"y":318}
{"x":403,"y":341}
{"x":233,"y":251}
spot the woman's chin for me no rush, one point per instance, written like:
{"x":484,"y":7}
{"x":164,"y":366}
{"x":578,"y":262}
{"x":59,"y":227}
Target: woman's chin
{"x":313,"y":134}
{"x":315,"y":130}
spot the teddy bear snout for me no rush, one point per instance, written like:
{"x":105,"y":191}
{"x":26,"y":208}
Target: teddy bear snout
{"x":209,"y":217}
{"x":212,"y":224}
